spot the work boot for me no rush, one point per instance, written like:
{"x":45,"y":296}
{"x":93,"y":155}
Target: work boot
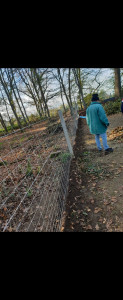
{"x":108,"y":151}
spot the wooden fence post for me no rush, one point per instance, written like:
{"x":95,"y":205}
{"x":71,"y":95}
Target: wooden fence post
{"x":74,"y":118}
{"x":65,"y":132}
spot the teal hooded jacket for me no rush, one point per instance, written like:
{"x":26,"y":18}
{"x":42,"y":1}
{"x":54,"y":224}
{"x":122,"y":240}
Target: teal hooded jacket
{"x":96,"y":118}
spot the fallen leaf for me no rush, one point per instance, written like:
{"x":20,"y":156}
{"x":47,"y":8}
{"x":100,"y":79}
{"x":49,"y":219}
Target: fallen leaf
{"x":10,"y":229}
{"x":97,"y":227}
{"x":101,"y":219}
{"x":89,"y":227}
{"x":106,"y":202}
{"x":113,"y":199}
{"x":85,"y":214}
{"x":97,"y":209}
{"x":62,"y":229}
{"x":88,"y":209}
{"x":108,"y":224}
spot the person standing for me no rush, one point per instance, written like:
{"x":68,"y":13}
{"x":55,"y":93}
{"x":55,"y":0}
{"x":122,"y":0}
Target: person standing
{"x":98,"y":123}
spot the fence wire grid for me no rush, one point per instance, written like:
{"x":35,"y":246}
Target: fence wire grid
{"x":34,"y":176}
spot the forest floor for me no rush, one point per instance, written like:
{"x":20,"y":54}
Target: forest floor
{"x":33,"y":176}
{"x":95,"y":195}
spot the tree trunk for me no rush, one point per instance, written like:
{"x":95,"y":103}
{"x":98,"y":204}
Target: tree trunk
{"x":40,"y":108}
{"x":26,"y":82}
{"x":13,"y":90}
{"x":42,"y":93}
{"x":13,"y":78}
{"x":117,"y":83}
{"x":80,"y":92}
{"x":62,"y":99}
{"x":78,"y":83}
{"x":10,"y":121}
{"x":10,"y":100}
{"x":3,"y":123}
{"x":69,"y":85}
{"x":64,"y":90}
{"x":39,"y":98}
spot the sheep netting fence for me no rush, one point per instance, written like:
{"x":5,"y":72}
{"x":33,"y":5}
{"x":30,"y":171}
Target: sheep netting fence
{"x":34,"y":176}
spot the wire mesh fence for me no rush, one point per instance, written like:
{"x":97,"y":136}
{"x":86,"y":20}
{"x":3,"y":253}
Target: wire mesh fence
{"x":34,"y":176}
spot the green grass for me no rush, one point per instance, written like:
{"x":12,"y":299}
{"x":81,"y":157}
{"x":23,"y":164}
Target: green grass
{"x":9,"y":128}
{"x":64,"y":157}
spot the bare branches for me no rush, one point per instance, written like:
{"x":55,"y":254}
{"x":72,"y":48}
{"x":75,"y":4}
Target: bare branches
{"x":23,"y":89}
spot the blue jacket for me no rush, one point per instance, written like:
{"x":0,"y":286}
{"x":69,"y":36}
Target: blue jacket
{"x":96,"y":118}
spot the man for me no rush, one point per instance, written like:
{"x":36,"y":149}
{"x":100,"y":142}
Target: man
{"x":98,"y":123}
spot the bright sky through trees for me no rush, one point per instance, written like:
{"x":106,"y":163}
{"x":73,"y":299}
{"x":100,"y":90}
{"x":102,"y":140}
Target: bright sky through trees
{"x":94,"y":80}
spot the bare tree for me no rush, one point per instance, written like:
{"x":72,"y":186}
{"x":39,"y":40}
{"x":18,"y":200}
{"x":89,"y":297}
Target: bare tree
{"x":13,"y":91}
{"x":6,"y":106}
{"x":29,"y":90}
{"x":26,"y":119}
{"x":38,"y":77}
{"x":79,"y":84}
{"x":117,"y":82}
{"x":3,"y":123}
{"x":60,"y":78}
{"x":8,"y":93}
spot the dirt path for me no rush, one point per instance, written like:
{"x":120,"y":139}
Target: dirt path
{"x":95,"y":195}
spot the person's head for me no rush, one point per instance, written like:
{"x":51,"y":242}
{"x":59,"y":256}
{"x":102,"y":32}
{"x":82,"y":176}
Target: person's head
{"x":95,"y":97}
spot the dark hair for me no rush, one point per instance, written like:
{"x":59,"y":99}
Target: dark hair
{"x":95,"y":97}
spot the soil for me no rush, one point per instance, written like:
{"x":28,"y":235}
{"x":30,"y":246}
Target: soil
{"x":33,"y":177}
{"x":95,"y":195}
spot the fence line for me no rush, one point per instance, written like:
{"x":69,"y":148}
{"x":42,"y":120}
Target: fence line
{"x":33,"y":190}
{"x":29,"y":154}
